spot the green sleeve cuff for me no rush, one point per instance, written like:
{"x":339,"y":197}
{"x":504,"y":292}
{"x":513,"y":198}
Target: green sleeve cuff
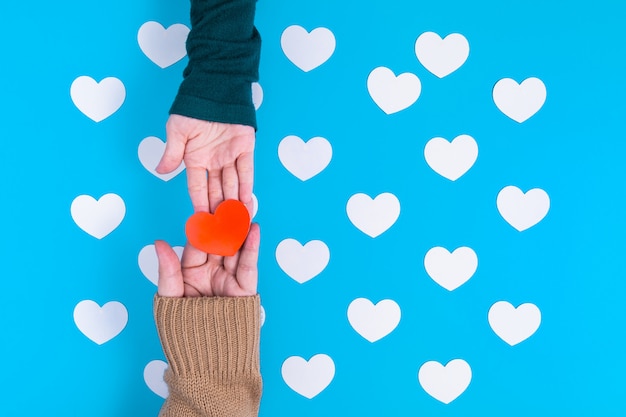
{"x":205,"y":109}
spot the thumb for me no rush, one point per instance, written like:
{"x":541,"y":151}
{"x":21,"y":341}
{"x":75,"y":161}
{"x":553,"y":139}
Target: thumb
{"x":174,"y":151}
{"x":170,"y":272}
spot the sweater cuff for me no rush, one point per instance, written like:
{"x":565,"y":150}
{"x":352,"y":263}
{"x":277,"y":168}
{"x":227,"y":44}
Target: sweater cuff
{"x":202,"y":335}
{"x":211,"y":111}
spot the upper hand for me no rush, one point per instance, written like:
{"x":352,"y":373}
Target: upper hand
{"x":223,"y":150}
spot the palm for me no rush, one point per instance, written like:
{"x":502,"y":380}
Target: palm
{"x":213,"y":146}
{"x":216,"y":277}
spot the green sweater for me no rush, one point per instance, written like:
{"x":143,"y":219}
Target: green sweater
{"x":224,"y":50}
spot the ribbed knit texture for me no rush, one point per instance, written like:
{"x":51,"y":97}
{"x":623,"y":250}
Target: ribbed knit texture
{"x":224,"y":49}
{"x":212,"y":348}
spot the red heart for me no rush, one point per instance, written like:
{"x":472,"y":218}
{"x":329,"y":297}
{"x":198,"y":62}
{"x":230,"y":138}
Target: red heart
{"x":222,"y":233}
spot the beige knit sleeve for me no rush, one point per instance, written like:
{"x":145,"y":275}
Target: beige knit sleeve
{"x":212,"y":348}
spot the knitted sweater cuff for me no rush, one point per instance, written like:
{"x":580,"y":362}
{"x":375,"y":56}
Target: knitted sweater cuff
{"x":209,"y":335}
{"x":213,"y":111}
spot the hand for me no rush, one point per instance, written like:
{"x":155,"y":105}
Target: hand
{"x":202,"y":275}
{"x":225,"y":151}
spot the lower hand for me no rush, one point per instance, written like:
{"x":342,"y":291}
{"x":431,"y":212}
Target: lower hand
{"x":200,"y":275}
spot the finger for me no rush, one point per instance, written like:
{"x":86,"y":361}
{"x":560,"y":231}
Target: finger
{"x":215,"y":194}
{"x":247,"y":269}
{"x":216,"y":260}
{"x":197,"y":186}
{"x":174,"y":150}
{"x":194,"y":264}
{"x":250,"y":207}
{"x":245,"y":172}
{"x":231,"y":262}
{"x":170,"y":273}
{"x":193,"y":257}
{"x":230,"y":183}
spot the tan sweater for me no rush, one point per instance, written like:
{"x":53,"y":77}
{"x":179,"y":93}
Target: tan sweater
{"x":212,"y":347}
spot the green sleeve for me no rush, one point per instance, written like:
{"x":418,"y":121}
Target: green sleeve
{"x":224,"y":50}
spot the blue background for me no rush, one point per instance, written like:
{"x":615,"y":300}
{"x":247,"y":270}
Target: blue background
{"x":570,"y":265}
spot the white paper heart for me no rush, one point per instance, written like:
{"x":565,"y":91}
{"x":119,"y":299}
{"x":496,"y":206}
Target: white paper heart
{"x":97,"y":100}
{"x":100,"y":324}
{"x":302,"y":263}
{"x":162,"y":46}
{"x":441,"y":56}
{"x":445,"y":383}
{"x":373,"y":216}
{"x":451,"y":270}
{"x":522,"y":210}
{"x":263,"y":316}
{"x":255,"y":206}
{"x":519,"y":101}
{"x":149,"y":263}
{"x":305,"y":159}
{"x":308,"y":378}
{"x":373,"y":321}
{"x":393,"y":94}
{"x":257,"y":95}
{"x":451,"y":159}
{"x":307,"y":50}
{"x":150,"y":151}
{"x":514,"y":325}
{"x":98,"y":217}
{"x":153,"y":376}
